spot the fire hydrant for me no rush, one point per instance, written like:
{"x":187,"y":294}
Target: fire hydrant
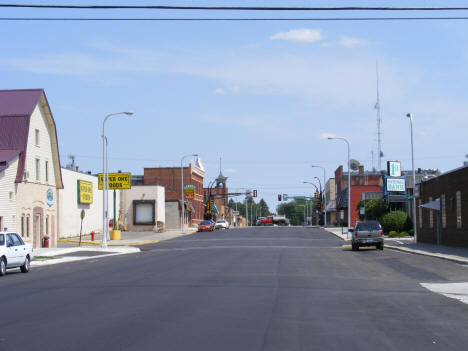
{"x":92,"y":236}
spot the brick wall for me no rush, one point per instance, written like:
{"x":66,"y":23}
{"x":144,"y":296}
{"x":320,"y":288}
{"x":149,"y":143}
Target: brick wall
{"x":447,"y":186}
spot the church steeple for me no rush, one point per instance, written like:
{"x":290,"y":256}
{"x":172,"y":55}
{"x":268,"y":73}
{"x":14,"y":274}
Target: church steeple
{"x":221,"y":180}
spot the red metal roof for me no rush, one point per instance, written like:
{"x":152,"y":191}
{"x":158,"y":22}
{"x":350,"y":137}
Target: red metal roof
{"x":5,"y":157}
{"x":16,"y":107}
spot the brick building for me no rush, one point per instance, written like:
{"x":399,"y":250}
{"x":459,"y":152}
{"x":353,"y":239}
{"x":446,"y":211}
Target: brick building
{"x":170,"y":179}
{"x":219,"y":196}
{"x":361,"y":182}
{"x":446,"y":223}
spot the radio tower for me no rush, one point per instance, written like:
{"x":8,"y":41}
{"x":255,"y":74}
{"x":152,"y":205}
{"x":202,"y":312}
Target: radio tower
{"x":379,"y":122}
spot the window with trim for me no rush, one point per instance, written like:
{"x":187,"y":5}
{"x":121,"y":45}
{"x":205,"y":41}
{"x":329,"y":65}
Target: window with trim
{"x":442,"y":211}
{"x":36,"y":137}
{"x":46,"y":171}
{"x":27,"y":227}
{"x":431,"y":216}
{"x":47,"y":225}
{"x":459,"y":213}
{"x":38,"y":168}
{"x":22,"y":225}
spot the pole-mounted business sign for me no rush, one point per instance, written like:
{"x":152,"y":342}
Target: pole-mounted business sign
{"x":116,"y":181}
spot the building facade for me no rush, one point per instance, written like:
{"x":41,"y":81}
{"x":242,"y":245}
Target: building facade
{"x":330,"y":202}
{"x":442,"y":209}
{"x":219,"y":197}
{"x":80,"y":193}
{"x":361,"y":182}
{"x":142,"y":208}
{"x":170,"y":179}
{"x":30,"y":173}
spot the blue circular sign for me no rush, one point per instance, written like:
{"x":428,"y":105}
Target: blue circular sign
{"x":50,"y":197}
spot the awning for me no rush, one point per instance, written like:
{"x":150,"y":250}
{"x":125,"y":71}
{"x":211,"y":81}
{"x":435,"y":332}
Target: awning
{"x":331,"y":206}
{"x":433,"y":205}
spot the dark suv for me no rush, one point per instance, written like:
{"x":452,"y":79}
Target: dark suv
{"x":368,"y":233}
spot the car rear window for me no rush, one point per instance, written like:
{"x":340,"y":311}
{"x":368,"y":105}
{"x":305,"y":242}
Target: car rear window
{"x":369,"y":226}
{"x":205,"y":223}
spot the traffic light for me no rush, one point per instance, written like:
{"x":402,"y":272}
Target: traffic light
{"x":279,"y":197}
{"x":255,"y":193}
{"x":317,"y":194}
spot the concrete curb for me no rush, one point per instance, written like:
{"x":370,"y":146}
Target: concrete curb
{"x":452,"y":258}
{"x":77,"y":242}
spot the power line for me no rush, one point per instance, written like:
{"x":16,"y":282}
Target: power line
{"x":233,"y":8}
{"x":76,"y":19}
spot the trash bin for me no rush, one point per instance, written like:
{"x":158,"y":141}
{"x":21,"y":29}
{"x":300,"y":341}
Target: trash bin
{"x":45,"y":241}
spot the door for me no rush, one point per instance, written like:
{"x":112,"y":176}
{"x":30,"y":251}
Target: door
{"x":20,"y":248}
{"x":11,"y":252}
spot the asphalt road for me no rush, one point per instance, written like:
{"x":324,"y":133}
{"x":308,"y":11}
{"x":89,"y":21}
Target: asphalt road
{"x":245,"y":289}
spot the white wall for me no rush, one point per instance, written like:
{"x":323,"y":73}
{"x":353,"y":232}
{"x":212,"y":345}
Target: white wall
{"x":42,"y":151}
{"x":142,"y":192}
{"x":7,"y":187}
{"x":70,"y":209}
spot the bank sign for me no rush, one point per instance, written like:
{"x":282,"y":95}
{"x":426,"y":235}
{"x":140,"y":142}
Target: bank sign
{"x":116,"y":181}
{"x":85,"y":192}
{"x":395,"y":185}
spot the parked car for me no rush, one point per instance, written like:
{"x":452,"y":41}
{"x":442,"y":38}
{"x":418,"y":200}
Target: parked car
{"x":14,"y":253}
{"x":367,"y":233}
{"x":221,"y":224}
{"x":206,"y":226}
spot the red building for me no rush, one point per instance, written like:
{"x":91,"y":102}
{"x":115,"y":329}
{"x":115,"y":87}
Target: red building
{"x":361,"y":182}
{"x":219,"y":196}
{"x":170,"y":179}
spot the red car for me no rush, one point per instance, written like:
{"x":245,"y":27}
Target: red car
{"x":206,"y":226}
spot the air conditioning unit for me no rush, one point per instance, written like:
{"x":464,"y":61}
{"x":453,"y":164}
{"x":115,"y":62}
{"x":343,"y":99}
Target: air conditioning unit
{"x":25,"y":175}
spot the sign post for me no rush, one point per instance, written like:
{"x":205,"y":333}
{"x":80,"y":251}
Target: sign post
{"x":82,"y":216}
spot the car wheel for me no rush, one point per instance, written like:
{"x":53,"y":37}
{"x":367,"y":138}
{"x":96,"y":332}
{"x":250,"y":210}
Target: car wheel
{"x":2,"y":266}
{"x":25,"y":267}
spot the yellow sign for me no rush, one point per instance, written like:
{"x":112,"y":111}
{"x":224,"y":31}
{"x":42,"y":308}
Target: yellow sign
{"x":116,"y":181}
{"x":85,"y":192}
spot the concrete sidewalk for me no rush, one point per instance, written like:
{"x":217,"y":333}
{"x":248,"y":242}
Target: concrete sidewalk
{"x":127,"y":238}
{"x":68,"y":249}
{"x":454,"y":254}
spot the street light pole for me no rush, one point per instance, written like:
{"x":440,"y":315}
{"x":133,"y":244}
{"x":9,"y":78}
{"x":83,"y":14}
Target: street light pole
{"x":410,"y":116}
{"x":325,"y":193}
{"x":311,"y":200}
{"x":182,"y":189}
{"x":349,"y":179}
{"x":105,"y":220}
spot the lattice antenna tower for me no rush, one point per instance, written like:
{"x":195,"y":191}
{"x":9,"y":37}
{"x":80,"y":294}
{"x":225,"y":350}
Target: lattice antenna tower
{"x":379,"y":121}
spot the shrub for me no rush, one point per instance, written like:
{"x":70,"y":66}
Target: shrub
{"x":411,"y":232}
{"x":393,"y":234}
{"x":408,"y":224}
{"x":403,"y":234}
{"x":394,"y":221}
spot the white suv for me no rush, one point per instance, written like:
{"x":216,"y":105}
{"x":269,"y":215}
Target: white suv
{"x":14,"y":253}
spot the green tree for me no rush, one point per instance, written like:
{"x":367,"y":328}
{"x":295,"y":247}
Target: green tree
{"x":294,"y":210}
{"x":263,"y":210}
{"x":375,"y":209}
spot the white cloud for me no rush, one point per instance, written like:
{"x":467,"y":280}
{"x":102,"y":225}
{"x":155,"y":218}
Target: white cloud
{"x":351,"y":42}
{"x":230,"y":171}
{"x":219,"y":91}
{"x":300,"y":35}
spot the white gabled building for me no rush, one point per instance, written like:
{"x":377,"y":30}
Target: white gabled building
{"x":30,"y":172}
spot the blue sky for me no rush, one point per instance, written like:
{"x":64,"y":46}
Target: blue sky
{"x":260,"y":95}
